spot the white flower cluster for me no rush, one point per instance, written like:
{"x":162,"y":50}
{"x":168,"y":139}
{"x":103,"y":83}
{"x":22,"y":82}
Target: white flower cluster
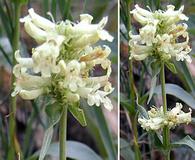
{"x":160,"y":35}
{"x":157,"y":118}
{"x":63,"y":63}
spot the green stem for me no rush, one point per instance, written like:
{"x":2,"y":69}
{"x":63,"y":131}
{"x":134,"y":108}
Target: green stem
{"x":132,"y":91}
{"x":135,"y":137}
{"x":62,"y":134}
{"x":12,"y":149}
{"x":166,"y":131}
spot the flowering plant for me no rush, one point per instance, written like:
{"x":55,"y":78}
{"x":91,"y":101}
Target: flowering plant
{"x":161,"y":39}
{"x":159,"y":35}
{"x":158,"y":120}
{"x":61,"y":67}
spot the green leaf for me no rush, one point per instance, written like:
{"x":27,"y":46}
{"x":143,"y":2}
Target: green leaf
{"x":142,"y":110}
{"x":75,"y":150}
{"x":156,"y":139}
{"x":178,"y":92}
{"x":96,"y":116}
{"x":185,"y":76}
{"x":143,"y":99}
{"x":105,"y":133}
{"x":54,"y":113}
{"x":188,"y":141}
{"x":126,"y":103}
{"x":153,"y":85}
{"x":5,"y":23}
{"x":125,"y":150}
{"x":46,"y":142}
{"x":155,"y":66}
{"x":171,"y":67}
{"x":188,"y":76}
{"x":6,"y":55}
{"x":95,"y":133}
{"x":78,"y":114}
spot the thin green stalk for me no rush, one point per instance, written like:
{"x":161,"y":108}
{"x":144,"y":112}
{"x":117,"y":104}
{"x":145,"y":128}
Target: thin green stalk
{"x":67,"y":10}
{"x":166,"y":131}
{"x":164,"y":98}
{"x":62,"y":134}
{"x":157,"y":4}
{"x":132,"y":91}
{"x":12,"y":147}
{"x":131,"y":79}
{"x":53,"y":8}
{"x":135,"y":137}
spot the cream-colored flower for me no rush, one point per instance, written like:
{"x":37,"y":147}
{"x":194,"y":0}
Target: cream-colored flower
{"x":40,"y":22}
{"x":159,"y":35}
{"x":36,"y":33}
{"x":138,"y":51}
{"x":30,"y":87}
{"x":157,"y":119}
{"x":25,"y":62}
{"x":38,"y":27}
{"x":45,"y":58}
{"x":99,"y":97}
{"x":63,"y":62}
{"x":147,"y":34}
{"x":84,"y":27}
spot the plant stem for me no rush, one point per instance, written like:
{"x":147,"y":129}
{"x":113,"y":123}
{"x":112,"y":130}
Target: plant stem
{"x":62,"y":134}
{"x":12,"y":149}
{"x":135,"y":137}
{"x":166,"y":131}
{"x":132,"y":91}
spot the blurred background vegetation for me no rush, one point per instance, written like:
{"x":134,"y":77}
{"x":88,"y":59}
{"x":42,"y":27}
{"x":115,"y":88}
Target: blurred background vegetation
{"x":142,"y":78}
{"x":31,"y":122}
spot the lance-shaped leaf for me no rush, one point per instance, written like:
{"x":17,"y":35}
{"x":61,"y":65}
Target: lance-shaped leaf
{"x":141,"y":109}
{"x":54,"y":113}
{"x":126,"y":150}
{"x":188,"y":141}
{"x":75,"y":150}
{"x":178,"y":92}
{"x":155,"y":66}
{"x":78,"y":114}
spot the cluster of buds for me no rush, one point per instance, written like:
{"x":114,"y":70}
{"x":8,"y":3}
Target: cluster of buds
{"x":63,"y":62}
{"x":157,"y":119}
{"x":161,"y":36}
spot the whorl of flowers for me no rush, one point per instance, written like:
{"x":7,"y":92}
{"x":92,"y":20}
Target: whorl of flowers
{"x":157,"y":119}
{"x":63,"y":63}
{"x":161,"y":35}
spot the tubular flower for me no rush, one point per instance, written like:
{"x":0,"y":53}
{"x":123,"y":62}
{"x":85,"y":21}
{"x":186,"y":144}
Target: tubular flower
{"x":160,"y":35}
{"x":157,"y":119}
{"x":63,"y":62}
